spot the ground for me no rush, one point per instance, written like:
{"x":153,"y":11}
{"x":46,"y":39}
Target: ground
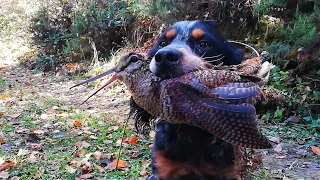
{"x":48,"y":134}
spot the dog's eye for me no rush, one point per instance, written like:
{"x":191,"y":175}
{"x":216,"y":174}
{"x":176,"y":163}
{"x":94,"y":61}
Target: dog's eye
{"x":134,"y":58}
{"x":163,"y":43}
{"x":204,"y":44}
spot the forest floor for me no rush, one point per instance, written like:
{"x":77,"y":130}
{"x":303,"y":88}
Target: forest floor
{"x":46,"y":134}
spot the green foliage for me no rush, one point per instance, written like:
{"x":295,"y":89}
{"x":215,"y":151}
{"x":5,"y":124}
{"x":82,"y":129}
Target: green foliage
{"x":264,"y":5}
{"x":67,"y":29}
{"x":304,"y":31}
{"x":301,"y":100}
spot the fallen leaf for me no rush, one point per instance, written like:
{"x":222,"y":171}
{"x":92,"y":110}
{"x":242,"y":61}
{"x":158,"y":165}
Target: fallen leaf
{"x":13,"y":115}
{"x":121,"y":164}
{"x":4,"y":175}
{"x":2,"y":141}
{"x":133,"y":140}
{"x":71,"y":66}
{"x":143,"y":173}
{"x":278,"y":148}
{"x":77,"y":123}
{"x":32,"y":158}
{"x":70,"y":169}
{"x":23,"y":152}
{"x":315,"y":150}
{"x":39,"y":131}
{"x":27,"y":84}
{"x":4,"y":96}
{"x":6,"y":165}
{"x":101,"y":169}
{"x":275,"y":140}
{"x":86,"y":176}
{"x":1,"y":114}
{"x":15,"y":178}
{"x":107,"y":141}
{"x":6,"y":147}
{"x":2,"y":68}
{"x":292,"y":53}
{"x":98,"y":155}
{"x":93,"y":137}
{"x":82,"y":144}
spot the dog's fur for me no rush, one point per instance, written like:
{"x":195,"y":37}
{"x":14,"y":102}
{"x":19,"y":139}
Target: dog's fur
{"x":182,"y":151}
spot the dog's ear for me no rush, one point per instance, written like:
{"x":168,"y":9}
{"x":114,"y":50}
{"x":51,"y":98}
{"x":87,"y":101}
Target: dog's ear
{"x":212,"y":23}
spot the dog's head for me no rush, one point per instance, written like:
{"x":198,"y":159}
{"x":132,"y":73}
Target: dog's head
{"x":190,"y":45}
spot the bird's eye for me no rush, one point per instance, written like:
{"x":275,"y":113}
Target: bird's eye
{"x":163,"y":43}
{"x":204,"y":44}
{"x":134,"y":58}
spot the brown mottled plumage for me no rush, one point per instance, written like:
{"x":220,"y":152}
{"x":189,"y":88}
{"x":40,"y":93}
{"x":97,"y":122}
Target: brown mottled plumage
{"x":219,"y":101}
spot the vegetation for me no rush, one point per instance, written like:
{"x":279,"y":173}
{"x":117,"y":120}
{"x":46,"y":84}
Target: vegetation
{"x":59,"y":139}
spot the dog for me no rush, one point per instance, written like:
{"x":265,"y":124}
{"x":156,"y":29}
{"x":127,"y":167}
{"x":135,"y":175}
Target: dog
{"x":183,"y":151}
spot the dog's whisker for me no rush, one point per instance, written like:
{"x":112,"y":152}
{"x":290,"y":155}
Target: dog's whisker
{"x":215,"y":60}
{"x":216,"y":56}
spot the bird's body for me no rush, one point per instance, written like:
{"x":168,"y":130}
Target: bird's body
{"x":219,"y":100}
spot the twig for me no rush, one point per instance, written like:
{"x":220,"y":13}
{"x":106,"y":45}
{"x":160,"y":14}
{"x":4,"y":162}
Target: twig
{"x":95,"y":58}
{"x":123,"y":133}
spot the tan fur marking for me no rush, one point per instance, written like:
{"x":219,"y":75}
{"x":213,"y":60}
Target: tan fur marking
{"x":197,"y":33}
{"x":171,"y":33}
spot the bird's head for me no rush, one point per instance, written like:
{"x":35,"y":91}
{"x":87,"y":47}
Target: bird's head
{"x":126,"y":66}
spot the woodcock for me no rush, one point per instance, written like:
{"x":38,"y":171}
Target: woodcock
{"x":218,"y":101}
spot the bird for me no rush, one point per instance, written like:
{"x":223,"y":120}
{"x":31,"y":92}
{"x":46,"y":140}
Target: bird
{"x":219,"y":101}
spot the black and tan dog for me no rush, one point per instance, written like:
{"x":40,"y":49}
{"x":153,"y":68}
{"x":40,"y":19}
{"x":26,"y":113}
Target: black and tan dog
{"x":182,"y":151}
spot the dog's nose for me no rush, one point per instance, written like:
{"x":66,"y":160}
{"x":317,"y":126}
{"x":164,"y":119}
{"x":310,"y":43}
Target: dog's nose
{"x":167,"y":57}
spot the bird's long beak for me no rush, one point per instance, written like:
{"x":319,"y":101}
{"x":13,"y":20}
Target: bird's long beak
{"x":112,"y":79}
{"x":96,"y":77}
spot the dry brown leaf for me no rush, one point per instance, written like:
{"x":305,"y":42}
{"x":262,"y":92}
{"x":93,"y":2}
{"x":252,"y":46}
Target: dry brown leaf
{"x":101,"y":169}
{"x":4,"y":175}
{"x":315,"y":150}
{"x":98,"y":155}
{"x":39,"y":131}
{"x":77,"y":123}
{"x":275,"y":140}
{"x":121,"y":164}
{"x":23,"y":152}
{"x":143,"y":173}
{"x":278,"y":148}
{"x":82,"y":144}
{"x":27,"y":84}
{"x":4,"y":96}
{"x":70,"y":169}
{"x":2,"y":140}
{"x":2,"y":68}
{"x":86,"y":176}
{"x":13,"y":115}
{"x":6,"y":165}
{"x":1,"y":114}
{"x":71,"y":66}
{"x":133,"y":140}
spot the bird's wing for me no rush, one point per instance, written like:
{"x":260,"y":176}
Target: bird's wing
{"x":234,"y":123}
{"x":228,"y":90}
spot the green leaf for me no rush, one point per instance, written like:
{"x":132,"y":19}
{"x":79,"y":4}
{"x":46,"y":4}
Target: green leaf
{"x":299,"y":80}
{"x":308,"y":118}
{"x":316,"y":93}
{"x":266,"y":117}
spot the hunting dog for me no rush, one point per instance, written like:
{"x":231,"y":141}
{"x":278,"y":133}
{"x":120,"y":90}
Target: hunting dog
{"x":183,"y":151}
